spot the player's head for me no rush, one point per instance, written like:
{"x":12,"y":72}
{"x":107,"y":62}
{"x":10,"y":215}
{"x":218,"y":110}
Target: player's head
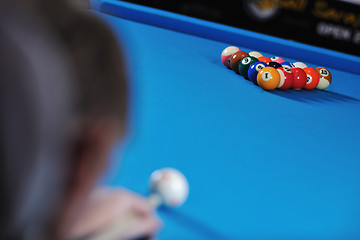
{"x":62,"y":106}
{"x":100,"y":107}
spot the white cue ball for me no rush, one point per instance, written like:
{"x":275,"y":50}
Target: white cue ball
{"x":171,"y":186}
{"x":255,"y":54}
{"x":300,"y":65}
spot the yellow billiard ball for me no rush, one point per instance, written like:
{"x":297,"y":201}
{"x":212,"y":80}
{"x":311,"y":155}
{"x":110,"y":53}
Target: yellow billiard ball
{"x":268,"y":78}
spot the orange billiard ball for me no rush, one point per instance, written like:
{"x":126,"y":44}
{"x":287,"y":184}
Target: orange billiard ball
{"x":312,"y":78}
{"x":325,"y":78}
{"x":235,"y":60}
{"x":286,"y":78}
{"x":264,"y":59}
{"x":268,"y":78}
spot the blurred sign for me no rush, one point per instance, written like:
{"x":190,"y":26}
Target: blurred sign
{"x":329,"y":24}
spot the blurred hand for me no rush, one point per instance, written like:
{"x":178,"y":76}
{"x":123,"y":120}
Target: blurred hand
{"x":108,"y":206}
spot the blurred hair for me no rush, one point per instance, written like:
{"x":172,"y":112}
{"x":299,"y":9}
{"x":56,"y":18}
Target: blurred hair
{"x":57,"y":65}
{"x":35,"y":110}
{"x":97,"y":60}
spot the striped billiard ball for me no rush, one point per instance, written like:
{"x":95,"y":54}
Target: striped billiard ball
{"x":277,"y":59}
{"x":325,"y":78}
{"x":286,"y":78}
{"x":226,"y":54}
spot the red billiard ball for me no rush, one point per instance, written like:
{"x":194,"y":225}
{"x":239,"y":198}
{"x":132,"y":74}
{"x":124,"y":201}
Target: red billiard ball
{"x":325,"y":78}
{"x":286,"y":78}
{"x":235,"y":60}
{"x":226,"y":54}
{"x":277,"y":59}
{"x":264,"y":59}
{"x":300,"y":78}
{"x":313,"y":78}
{"x":268,"y":78}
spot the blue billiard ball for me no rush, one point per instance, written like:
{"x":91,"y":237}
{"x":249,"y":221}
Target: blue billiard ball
{"x":254,"y":69}
{"x":288,"y":64}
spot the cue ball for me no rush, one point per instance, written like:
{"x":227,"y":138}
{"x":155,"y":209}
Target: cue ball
{"x":299,"y":78}
{"x":226,"y":54}
{"x":325,"y":78}
{"x":313,"y":78}
{"x":277,"y":59}
{"x":254,"y":69}
{"x":299,"y":65}
{"x":235,"y":60}
{"x":286,"y":78}
{"x":264,"y":59}
{"x":274,"y":64}
{"x":171,"y":186}
{"x":244,"y":65}
{"x":255,"y":54}
{"x":268,"y":78}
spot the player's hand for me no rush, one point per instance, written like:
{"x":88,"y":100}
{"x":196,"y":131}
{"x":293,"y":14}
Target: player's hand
{"x":108,"y":206}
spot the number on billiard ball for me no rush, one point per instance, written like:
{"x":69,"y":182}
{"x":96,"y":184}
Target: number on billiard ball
{"x":268,"y":78}
{"x":244,"y":65}
{"x":325,"y":78}
{"x":235,"y":60}
{"x":312,"y":78}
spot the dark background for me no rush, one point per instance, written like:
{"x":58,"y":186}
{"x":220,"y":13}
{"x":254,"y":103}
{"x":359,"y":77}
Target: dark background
{"x":329,"y":24}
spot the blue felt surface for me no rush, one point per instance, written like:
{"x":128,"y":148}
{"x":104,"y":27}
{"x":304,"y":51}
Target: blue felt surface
{"x":261,"y":165}
{"x":228,"y":34}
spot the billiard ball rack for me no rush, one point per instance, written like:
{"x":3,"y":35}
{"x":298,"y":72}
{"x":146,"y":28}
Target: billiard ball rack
{"x":275,"y":73}
{"x":228,"y":34}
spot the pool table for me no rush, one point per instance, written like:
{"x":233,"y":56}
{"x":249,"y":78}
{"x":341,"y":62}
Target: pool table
{"x":260,"y":164}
